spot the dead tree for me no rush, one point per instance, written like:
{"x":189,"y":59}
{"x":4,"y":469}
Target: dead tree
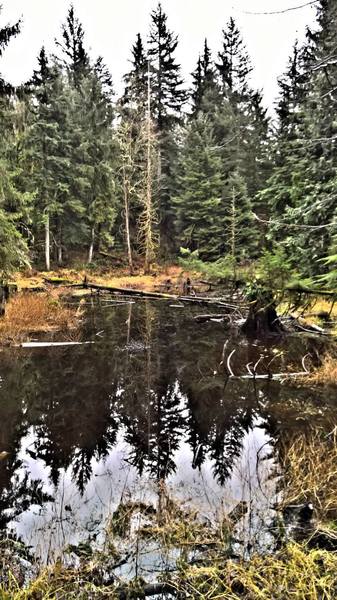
{"x":262,"y":319}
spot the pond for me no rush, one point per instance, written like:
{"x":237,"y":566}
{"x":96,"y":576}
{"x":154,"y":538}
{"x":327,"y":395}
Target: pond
{"x":147,"y":404}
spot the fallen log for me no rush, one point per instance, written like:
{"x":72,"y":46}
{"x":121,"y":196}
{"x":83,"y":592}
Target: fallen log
{"x":300,"y":290}
{"x":147,"y":294}
{"x":212,"y":317}
{"x":127,"y":291}
{"x":50,"y":344}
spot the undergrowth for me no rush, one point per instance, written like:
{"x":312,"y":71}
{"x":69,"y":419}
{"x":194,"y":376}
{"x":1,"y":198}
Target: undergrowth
{"x":29,"y":313}
{"x":310,"y":466}
{"x":326,"y":373}
{"x":292,"y":573}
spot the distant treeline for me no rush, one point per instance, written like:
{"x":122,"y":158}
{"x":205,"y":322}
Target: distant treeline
{"x":167,"y":166}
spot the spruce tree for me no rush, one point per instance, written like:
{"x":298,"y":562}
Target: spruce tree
{"x":234,"y":65}
{"x":301,"y":189}
{"x":74,"y":56}
{"x":6,"y":34}
{"x":49,"y":154}
{"x":94,"y":161}
{"x":136,"y":81}
{"x":205,"y":92}
{"x":167,"y":100}
{"x":198,"y":205}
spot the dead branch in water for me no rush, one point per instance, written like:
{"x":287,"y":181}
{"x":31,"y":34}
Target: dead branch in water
{"x":252,"y":371}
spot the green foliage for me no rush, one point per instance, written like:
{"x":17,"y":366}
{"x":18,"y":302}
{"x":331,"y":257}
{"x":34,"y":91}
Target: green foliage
{"x":220,"y":269}
{"x":198,"y":222}
{"x":329,"y":279}
{"x":275,"y":269}
{"x":13,"y":249}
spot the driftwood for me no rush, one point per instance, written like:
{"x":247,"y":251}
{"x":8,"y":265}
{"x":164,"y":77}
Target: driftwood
{"x":252,"y":369}
{"x":149,"y":589}
{"x":212,"y":317}
{"x":306,"y":327}
{"x":300,"y":290}
{"x":50,"y":344}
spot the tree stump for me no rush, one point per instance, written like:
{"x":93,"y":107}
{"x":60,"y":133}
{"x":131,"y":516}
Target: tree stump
{"x":262,"y":318}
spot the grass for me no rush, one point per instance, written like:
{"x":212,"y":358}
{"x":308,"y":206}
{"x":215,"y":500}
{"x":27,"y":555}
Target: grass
{"x":118,"y":277}
{"x":310,"y":463}
{"x":325,"y":374}
{"x":31,"y":313}
{"x":292,"y":573}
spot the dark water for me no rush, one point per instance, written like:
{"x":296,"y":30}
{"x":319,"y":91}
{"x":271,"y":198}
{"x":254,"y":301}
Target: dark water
{"x":88,"y":426}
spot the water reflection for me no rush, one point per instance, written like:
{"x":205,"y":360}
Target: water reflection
{"x":147,"y":391}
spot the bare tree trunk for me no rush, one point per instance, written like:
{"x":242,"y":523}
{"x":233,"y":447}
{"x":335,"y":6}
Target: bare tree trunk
{"x":127,"y":220}
{"x":47,"y":242}
{"x":91,"y":247}
{"x":148,"y":196}
{"x":233,"y":234}
{"x":59,"y":245}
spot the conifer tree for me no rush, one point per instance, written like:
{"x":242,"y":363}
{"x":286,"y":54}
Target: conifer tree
{"x":205,"y":89}
{"x":135,"y":92}
{"x":300,"y":190}
{"x":6,"y":34}
{"x":234,"y":65}
{"x":49,"y":152}
{"x":167,"y":100}
{"x":74,"y":56}
{"x":198,"y":205}
{"x":96,"y":162}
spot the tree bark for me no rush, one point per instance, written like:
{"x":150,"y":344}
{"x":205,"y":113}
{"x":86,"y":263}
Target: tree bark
{"x":47,"y":243}
{"x":59,"y":245}
{"x":91,"y":247}
{"x":127,"y":221}
{"x":262,"y":317}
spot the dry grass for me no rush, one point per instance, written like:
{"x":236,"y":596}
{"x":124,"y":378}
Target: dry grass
{"x":310,"y":463}
{"x":118,"y":277}
{"x":293,"y":573}
{"x":325,"y":374}
{"x":30,"y":313}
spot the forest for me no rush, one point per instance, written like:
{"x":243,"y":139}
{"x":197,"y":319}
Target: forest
{"x":168,"y":320}
{"x":168,"y":169}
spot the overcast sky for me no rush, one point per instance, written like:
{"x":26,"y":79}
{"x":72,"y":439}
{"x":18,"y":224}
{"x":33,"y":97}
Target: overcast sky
{"x":111,"y":27}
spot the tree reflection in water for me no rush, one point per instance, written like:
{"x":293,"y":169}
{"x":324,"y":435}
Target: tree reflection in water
{"x":149,"y":377}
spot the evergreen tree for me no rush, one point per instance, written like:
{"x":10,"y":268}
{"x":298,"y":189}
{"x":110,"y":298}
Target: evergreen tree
{"x":136,"y":81}
{"x":167,"y":100}
{"x":73,"y":56}
{"x":198,"y":206}
{"x":6,"y":34}
{"x":234,"y":64}
{"x":301,"y":189}
{"x":167,"y":94}
{"x":257,"y":166}
{"x":49,"y":152}
{"x":240,"y":232}
{"x":205,"y":90}
{"x":95,"y":163}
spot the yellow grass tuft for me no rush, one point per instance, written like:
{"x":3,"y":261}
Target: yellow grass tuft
{"x":29,"y":313}
{"x":326,"y":374}
{"x":310,"y":463}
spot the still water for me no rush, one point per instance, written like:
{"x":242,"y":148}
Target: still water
{"x":89,"y":426}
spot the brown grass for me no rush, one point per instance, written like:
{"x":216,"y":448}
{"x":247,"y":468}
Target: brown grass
{"x":310,"y":463}
{"x":325,"y":374}
{"x":30,"y":313}
{"x":118,"y":277}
